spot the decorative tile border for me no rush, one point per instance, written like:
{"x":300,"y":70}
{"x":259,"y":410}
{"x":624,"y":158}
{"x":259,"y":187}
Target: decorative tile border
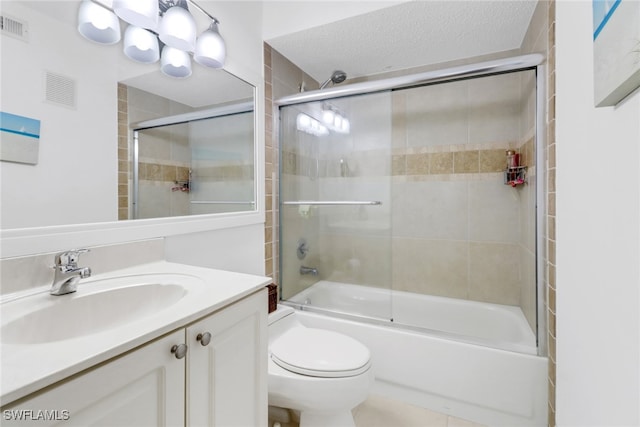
{"x":419,"y":162}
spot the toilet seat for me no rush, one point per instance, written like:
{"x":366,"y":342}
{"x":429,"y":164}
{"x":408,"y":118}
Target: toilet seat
{"x":320,"y":353}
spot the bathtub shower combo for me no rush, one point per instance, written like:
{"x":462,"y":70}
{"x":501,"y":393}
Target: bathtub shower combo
{"x":411,"y":219}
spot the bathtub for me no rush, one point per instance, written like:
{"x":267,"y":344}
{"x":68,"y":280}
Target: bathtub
{"x":471,"y":360}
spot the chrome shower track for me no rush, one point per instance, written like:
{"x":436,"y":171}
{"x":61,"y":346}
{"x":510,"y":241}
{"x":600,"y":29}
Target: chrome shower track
{"x":464,"y":71}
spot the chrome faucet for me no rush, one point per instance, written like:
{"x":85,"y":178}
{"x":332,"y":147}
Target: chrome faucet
{"x":308,"y":270}
{"x":67,"y":272}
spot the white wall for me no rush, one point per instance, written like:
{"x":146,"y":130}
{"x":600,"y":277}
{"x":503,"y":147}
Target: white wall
{"x":598,"y":238}
{"x":203,"y":240}
{"x":78,"y":149}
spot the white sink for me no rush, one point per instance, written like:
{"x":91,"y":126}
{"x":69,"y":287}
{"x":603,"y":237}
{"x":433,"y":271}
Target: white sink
{"x":96,"y":307}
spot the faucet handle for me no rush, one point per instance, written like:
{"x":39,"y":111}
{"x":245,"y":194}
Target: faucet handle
{"x":69,"y":257}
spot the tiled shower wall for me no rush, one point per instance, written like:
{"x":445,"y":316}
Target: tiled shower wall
{"x":448,"y":225}
{"x":282,"y":77}
{"x":457,"y":229}
{"x":540,"y":37}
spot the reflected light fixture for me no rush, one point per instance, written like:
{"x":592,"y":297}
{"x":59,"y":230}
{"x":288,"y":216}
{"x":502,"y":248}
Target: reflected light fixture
{"x":141,"y":45}
{"x":178,"y":28}
{"x":210,"y":48}
{"x":175,"y":62}
{"x":153,"y":24}
{"x":141,"y":13}
{"x":98,"y":23}
{"x":334,"y":120}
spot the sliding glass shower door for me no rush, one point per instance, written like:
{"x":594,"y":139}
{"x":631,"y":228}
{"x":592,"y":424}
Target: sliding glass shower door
{"x":335,"y":201}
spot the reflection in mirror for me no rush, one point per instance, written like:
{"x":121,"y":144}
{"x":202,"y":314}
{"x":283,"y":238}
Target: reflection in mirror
{"x":194,"y":163}
{"x":87,"y":97}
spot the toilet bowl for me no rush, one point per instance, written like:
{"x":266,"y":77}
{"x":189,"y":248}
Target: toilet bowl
{"x":321,"y":374}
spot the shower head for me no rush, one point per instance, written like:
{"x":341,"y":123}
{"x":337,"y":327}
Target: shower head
{"x":337,"y":77}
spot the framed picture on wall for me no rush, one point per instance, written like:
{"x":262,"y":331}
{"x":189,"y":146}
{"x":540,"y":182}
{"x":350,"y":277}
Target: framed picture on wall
{"x":616,"y":50}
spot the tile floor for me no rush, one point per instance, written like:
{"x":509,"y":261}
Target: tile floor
{"x":379,"y":411}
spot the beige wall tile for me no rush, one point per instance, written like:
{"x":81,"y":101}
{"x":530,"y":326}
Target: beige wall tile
{"x":492,"y":160}
{"x":528,"y":289}
{"x":357,"y":259}
{"x":399,"y":165}
{"x":182,"y":173}
{"x":418,"y":164}
{"x":441,"y":163}
{"x":494,"y":109}
{"x":168,"y":173}
{"x":430,"y":210}
{"x":399,"y":121}
{"x":153,"y":172}
{"x":437,"y":115}
{"x":466,"y":162}
{"x":494,"y":273}
{"x":433,"y":267}
{"x":494,"y":212}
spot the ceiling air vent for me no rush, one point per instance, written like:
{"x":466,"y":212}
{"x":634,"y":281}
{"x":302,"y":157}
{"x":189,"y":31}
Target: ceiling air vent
{"x":13,"y":27}
{"x":60,"y":90}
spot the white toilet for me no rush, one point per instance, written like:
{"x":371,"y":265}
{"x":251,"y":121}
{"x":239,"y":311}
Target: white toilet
{"x":321,"y":374}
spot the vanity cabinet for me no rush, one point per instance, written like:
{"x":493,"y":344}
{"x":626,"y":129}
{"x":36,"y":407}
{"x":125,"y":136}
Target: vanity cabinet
{"x":220,"y":381}
{"x":226,"y":373}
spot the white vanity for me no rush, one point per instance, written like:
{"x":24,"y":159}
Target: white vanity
{"x":164,"y":344}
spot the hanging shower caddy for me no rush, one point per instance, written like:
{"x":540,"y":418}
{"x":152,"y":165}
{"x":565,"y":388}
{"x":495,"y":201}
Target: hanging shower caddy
{"x":515,"y":175}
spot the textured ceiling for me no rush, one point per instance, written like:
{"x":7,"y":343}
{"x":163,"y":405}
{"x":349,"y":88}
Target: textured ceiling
{"x":407,"y":35}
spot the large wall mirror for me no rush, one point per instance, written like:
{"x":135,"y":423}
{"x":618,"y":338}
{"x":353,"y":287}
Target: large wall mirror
{"x":193,"y":138}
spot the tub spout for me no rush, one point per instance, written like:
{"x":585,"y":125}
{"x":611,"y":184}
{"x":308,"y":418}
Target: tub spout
{"x":308,"y":270}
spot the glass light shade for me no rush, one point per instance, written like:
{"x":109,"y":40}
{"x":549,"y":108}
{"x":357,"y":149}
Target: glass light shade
{"x":303,"y":122}
{"x":141,"y":13}
{"x":346,"y":126}
{"x":175,"y":62}
{"x":178,"y":29}
{"x":328,"y":116}
{"x":210,"y":48}
{"x":98,"y":24}
{"x":141,"y":45}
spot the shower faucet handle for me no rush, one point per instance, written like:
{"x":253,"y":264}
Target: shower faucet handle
{"x":302,"y":248}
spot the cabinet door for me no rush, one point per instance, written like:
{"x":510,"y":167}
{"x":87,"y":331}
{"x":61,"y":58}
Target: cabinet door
{"x":227,"y":378}
{"x":142,"y":388}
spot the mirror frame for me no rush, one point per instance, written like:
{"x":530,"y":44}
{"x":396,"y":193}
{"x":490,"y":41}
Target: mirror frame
{"x":27,"y":241}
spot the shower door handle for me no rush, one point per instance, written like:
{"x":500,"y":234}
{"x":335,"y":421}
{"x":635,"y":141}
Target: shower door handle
{"x":333,"y":202}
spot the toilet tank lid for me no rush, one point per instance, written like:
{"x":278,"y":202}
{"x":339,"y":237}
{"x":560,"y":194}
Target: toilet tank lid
{"x":320,"y":353}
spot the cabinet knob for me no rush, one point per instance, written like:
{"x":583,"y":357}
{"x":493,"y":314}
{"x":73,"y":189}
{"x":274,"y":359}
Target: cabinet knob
{"x":179,"y":351}
{"x":204,"y":339}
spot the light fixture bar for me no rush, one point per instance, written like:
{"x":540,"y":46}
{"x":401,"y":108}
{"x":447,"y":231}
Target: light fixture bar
{"x":197,"y":6}
{"x":191,"y":2}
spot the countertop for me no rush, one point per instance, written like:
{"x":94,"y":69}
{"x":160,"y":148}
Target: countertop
{"x":26,"y":368}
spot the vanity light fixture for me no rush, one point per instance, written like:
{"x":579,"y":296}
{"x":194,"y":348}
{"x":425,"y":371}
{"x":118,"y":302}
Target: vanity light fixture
{"x":157,"y":30}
